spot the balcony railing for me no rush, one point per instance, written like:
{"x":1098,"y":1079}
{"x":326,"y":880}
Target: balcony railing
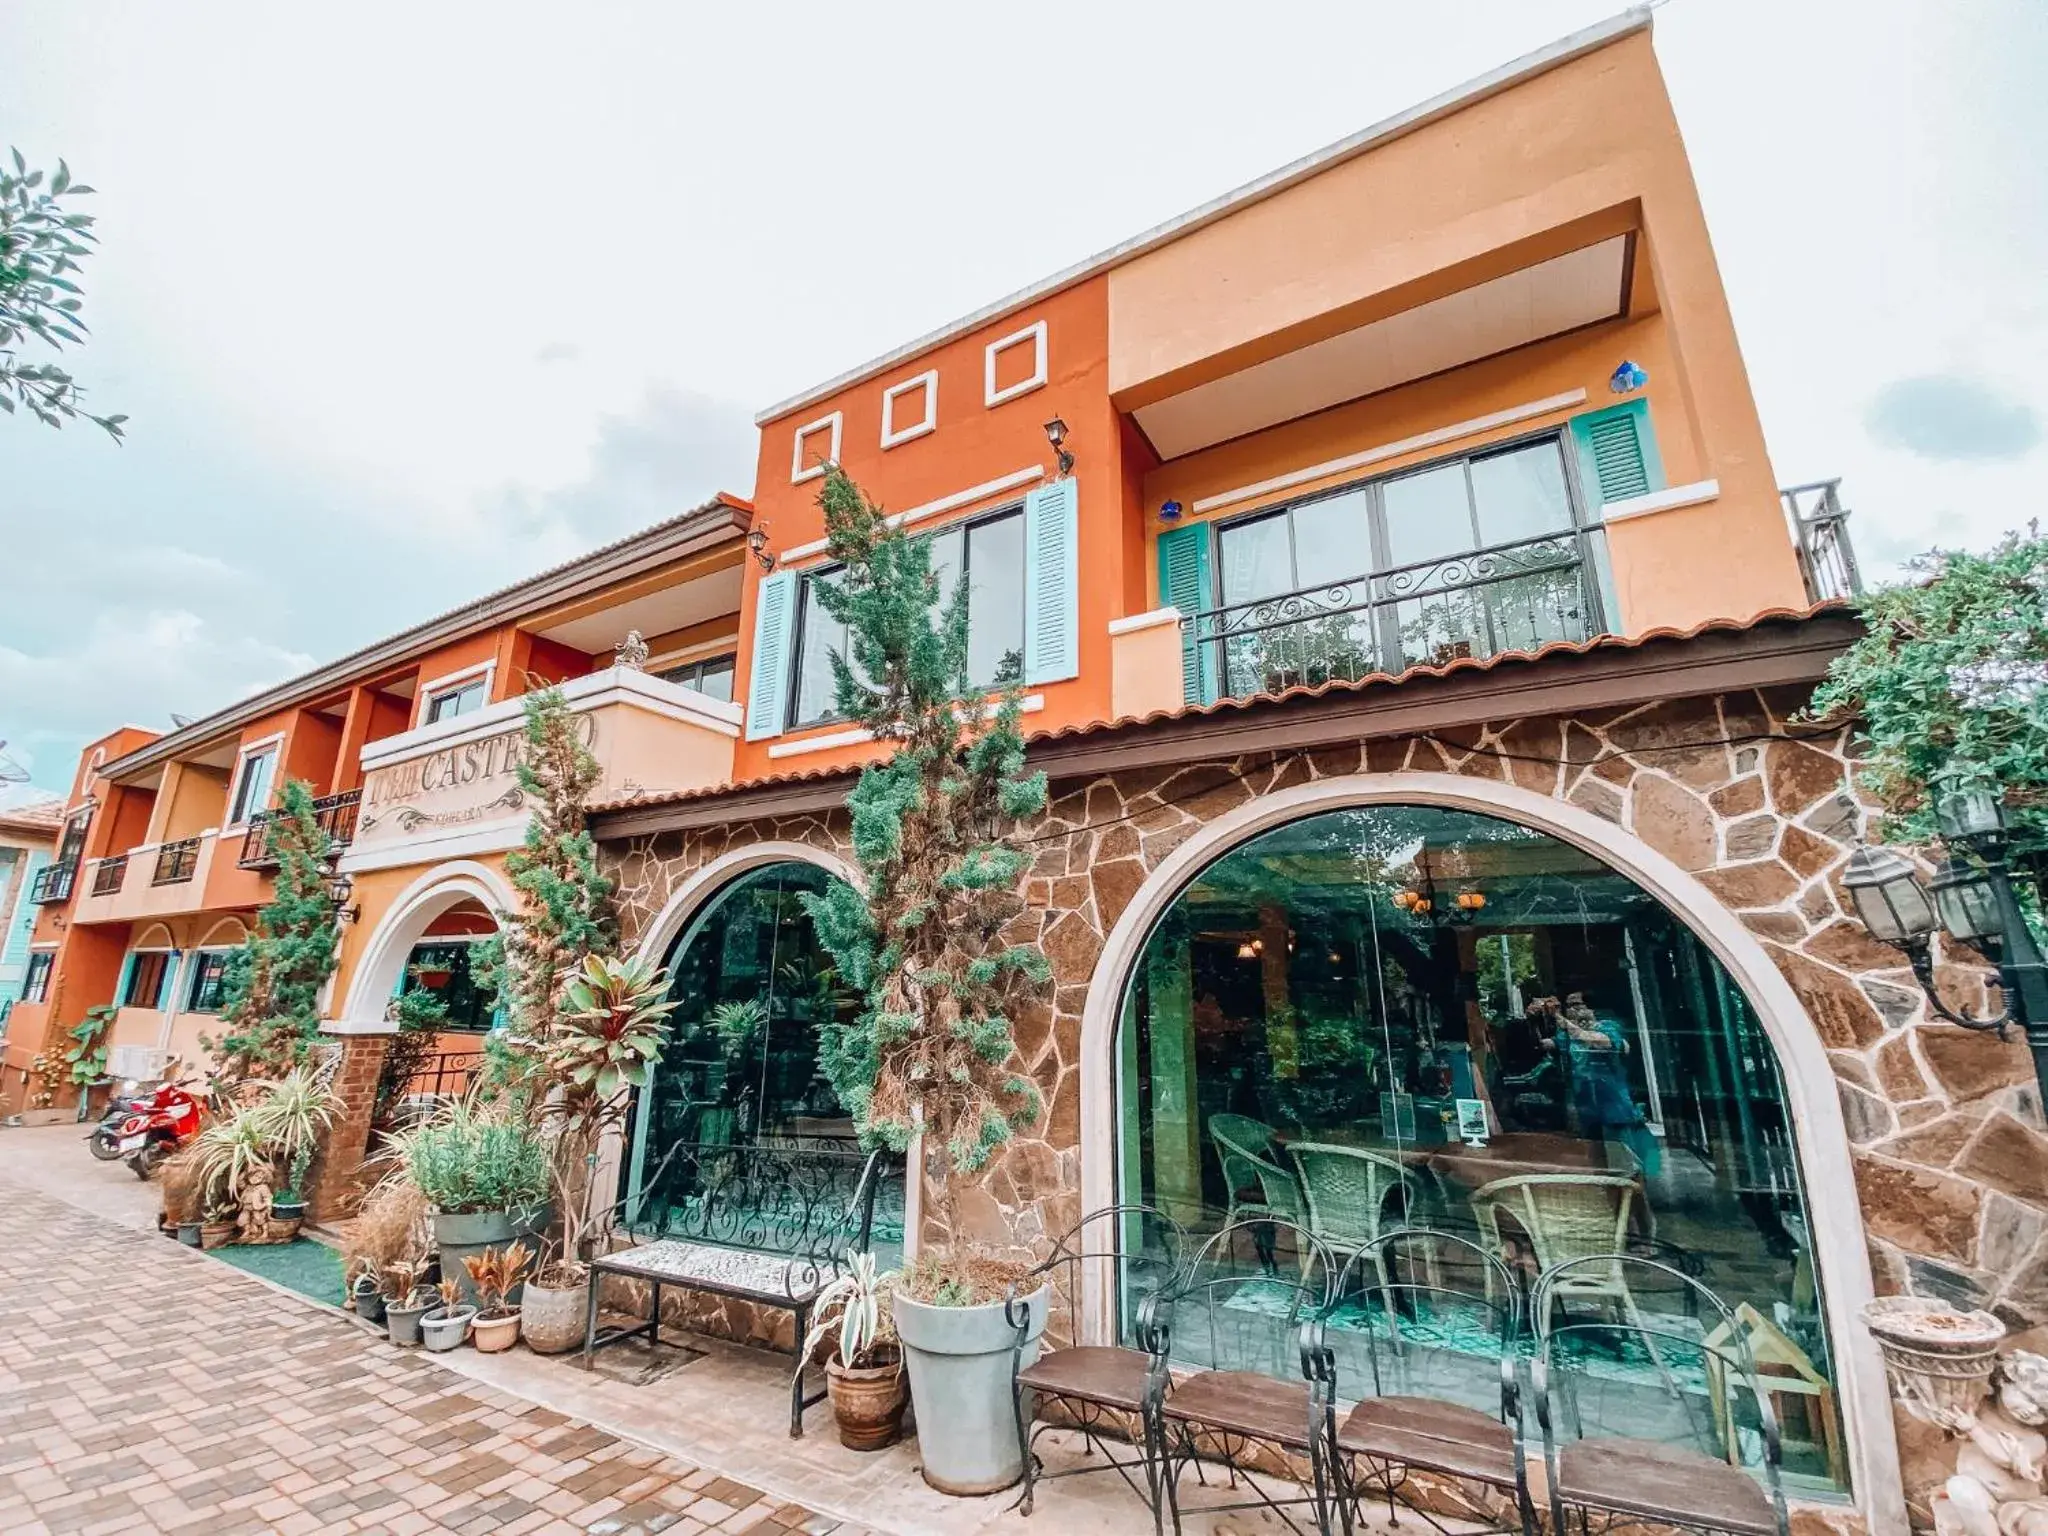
{"x":1508,"y":597}
{"x":54,"y":883}
{"x":1820,"y":523}
{"x":108,"y":874}
{"x":336,"y":815}
{"x":176,"y":862}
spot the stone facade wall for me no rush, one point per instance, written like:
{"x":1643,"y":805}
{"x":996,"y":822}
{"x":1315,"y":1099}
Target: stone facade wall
{"x":1951,"y":1163}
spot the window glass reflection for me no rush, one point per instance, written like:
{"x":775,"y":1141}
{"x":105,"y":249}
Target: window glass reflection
{"x":1399,"y":1016}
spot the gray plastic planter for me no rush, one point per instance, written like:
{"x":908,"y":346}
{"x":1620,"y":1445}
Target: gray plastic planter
{"x":443,"y":1331}
{"x":403,"y":1323}
{"x":960,"y":1361}
{"x":466,"y":1234}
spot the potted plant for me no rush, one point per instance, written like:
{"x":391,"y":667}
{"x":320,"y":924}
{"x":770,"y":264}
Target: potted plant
{"x":484,"y":1171}
{"x":930,"y":1057}
{"x":607,"y":1037}
{"x":388,"y":1232}
{"x":291,"y":1117}
{"x":446,"y":1326}
{"x":366,"y":1290}
{"x":494,"y":1273}
{"x":406,"y":1301}
{"x":864,"y":1372}
{"x":179,"y":1184}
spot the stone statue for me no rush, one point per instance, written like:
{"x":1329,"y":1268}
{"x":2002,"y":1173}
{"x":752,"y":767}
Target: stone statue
{"x":253,"y":1220}
{"x":1997,"y":1487}
{"x":632,"y":652}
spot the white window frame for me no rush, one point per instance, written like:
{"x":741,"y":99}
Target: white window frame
{"x":892,"y":435}
{"x":1033,"y":333}
{"x":30,"y":992}
{"x":453,"y":682}
{"x":269,"y":746}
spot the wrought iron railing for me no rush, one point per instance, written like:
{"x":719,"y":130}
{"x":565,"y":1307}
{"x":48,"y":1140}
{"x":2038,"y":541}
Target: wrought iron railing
{"x":108,"y":874}
{"x":176,"y":862}
{"x":54,"y":883}
{"x":336,"y":815}
{"x":1513,"y":596}
{"x":804,"y":1201}
{"x":1820,"y":525}
{"x":446,"y":1075}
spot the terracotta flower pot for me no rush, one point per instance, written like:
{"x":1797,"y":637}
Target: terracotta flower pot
{"x":216,"y":1234}
{"x":491,"y":1335}
{"x":867,"y":1403}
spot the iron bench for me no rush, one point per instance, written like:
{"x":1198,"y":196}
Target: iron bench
{"x":769,"y":1224}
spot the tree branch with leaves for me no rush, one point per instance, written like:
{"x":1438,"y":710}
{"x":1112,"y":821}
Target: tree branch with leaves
{"x":931,"y":1052}
{"x":42,"y":243}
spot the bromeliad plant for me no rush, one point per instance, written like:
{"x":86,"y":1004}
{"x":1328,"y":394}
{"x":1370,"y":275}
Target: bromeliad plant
{"x":930,"y":1054}
{"x":607,"y":1037}
{"x":857,"y":1306}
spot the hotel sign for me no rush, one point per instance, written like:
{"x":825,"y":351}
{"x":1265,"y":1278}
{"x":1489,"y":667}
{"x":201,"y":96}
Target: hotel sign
{"x":467,"y":784}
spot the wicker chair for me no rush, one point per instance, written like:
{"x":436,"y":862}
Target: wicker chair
{"x":1630,"y":1480}
{"x":1223,"y":1415}
{"x":1098,"y":1386}
{"x":1256,"y":1186}
{"x":1347,"y":1190}
{"x":1373,"y":1448}
{"x":1565,"y":1217}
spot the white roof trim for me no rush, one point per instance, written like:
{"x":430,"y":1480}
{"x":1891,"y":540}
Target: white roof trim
{"x":1563,"y":51}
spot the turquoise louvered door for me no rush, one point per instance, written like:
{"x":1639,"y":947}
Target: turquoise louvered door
{"x":1184,"y":583}
{"x":1617,"y":454}
{"x":1052,"y":587}
{"x":14,"y":950}
{"x":768,"y":675}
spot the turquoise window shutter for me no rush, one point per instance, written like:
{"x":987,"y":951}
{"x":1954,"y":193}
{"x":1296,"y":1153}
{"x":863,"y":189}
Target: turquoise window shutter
{"x":768,"y":682}
{"x":127,"y":974}
{"x":1052,"y":584}
{"x":15,"y":950}
{"x":1184,"y":584}
{"x":1617,"y":453}
{"x":167,"y":983}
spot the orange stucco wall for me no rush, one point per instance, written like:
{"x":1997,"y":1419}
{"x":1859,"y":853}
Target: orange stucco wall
{"x":1551,"y":163}
{"x":973,"y":444}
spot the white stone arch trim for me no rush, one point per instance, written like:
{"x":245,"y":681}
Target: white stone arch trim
{"x":391,"y":941}
{"x":1834,"y":1219}
{"x":705,"y":882}
{"x":155,"y":931}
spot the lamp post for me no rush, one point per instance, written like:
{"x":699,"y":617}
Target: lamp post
{"x":1971,"y":897}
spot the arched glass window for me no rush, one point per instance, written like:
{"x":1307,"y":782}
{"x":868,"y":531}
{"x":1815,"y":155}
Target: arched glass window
{"x":752,"y":986}
{"x":1413,"y":1015}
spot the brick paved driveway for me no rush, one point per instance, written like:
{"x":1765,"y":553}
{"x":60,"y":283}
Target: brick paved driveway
{"x":144,"y":1387}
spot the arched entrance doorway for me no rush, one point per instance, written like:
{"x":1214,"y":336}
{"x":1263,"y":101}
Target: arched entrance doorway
{"x":1304,"y":964}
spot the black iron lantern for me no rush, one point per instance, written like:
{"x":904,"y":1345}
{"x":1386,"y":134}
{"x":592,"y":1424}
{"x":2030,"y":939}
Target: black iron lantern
{"x":1965,"y":901}
{"x":1888,"y":897}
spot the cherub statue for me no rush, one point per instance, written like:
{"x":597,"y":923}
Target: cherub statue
{"x":632,"y":652}
{"x":1997,"y":1486}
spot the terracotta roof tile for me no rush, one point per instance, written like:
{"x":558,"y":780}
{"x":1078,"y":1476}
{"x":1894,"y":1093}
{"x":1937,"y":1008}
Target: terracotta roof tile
{"x":1464,"y":664}
{"x":36,"y":816}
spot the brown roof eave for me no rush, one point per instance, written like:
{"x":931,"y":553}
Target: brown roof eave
{"x":1774,"y":651}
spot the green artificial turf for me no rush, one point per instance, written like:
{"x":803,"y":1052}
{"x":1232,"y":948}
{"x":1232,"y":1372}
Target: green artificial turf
{"x":310,"y":1268}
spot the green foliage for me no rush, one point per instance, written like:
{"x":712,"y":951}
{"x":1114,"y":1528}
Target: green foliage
{"x":420,"y":1017}
{"x":41,"y":245}
{"x":1949,"y":685}
{"x":564,"y":913}
{"x":471,"y":1159}
{"x":87,"y":1055}
{"x":613,"y":1022}
{"x":270,"y":995}
{"x":290,"y":1118}
{"x":931,"y":1045}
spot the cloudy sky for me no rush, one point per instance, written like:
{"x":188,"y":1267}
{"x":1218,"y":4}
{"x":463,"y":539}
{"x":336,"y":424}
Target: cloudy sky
{"x":405,"y":301}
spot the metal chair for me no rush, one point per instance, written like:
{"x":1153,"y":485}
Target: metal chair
{"x":1225,"y":1413}
{"x":1096,"y":1385}
{"x":1373,"y":1448}
{"x":1244,"y":1147}
{"x":1631,"y":1479}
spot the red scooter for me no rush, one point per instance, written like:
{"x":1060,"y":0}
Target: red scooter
{"x":161,"y":1124}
